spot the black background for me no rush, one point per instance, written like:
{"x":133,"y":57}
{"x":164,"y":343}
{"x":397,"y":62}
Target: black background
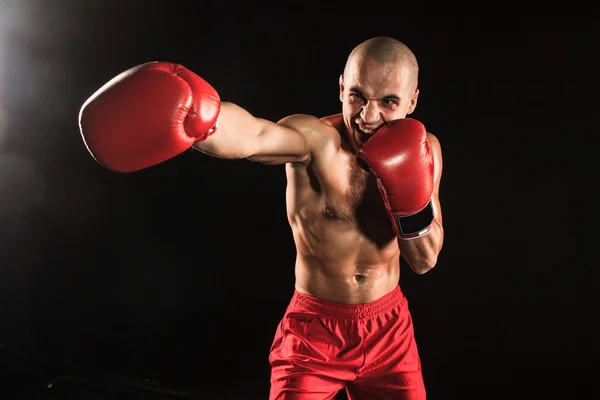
{"x":180,"y":273}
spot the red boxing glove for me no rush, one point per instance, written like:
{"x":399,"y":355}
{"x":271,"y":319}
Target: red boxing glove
{"x":399,"y":155}
{"x":148,"y":115}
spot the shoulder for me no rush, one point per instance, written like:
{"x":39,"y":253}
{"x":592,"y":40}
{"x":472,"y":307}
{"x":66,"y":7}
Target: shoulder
{"x":299,"y":121}
{"x":436,"y":150}
{"x":315,"y":129}
{"x":435,"y":143}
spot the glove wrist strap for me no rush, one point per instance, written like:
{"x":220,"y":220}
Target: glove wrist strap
{"x":417,"y":224}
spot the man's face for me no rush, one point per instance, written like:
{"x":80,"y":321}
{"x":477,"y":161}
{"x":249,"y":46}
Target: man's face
{"x":372,"y":94}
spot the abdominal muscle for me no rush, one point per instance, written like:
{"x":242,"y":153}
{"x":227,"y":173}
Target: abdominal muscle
{"x":335,"y":262}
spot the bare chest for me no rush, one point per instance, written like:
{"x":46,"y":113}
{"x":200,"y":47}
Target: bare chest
{"x":350,"y":195}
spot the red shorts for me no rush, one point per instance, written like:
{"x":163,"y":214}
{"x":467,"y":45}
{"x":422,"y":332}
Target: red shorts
{"x":320,"y":347}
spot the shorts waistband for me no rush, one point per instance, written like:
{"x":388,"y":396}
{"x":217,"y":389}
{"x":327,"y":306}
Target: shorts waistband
{"x":347,"y":311}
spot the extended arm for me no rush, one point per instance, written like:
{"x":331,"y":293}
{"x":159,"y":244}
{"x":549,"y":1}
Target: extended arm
{"x":241,"y":135}
{"x":156,"y":111}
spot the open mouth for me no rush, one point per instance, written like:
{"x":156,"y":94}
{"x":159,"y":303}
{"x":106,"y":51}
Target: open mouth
{"x":364,"y":133}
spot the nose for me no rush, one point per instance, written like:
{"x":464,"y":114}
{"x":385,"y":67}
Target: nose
{"x":370,"y":113}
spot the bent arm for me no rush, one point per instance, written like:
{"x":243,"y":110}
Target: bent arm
{"x":422,"y":253}
{"x":239,"y":135}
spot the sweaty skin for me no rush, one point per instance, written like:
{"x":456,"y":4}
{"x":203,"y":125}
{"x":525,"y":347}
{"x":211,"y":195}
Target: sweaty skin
{"x":347,"y":251}
{"x":346,"y":248}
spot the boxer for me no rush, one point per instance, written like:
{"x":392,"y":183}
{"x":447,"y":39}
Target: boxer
{"x":363,"y":190}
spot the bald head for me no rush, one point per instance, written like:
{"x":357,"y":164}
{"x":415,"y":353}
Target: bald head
{"x":385,"y":50}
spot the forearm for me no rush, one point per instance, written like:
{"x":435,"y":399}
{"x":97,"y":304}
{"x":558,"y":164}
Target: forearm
{"x":422,"y":253}
{"x":236,"y":134}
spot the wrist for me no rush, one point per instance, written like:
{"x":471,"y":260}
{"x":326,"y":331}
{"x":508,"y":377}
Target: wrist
{"x":415,"y":225}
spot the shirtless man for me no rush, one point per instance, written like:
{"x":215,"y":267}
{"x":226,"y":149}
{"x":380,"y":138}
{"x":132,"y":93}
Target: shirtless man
{"x":362,"y":190}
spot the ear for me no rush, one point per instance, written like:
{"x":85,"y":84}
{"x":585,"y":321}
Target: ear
{"x":413,"y":102}
{"x":342,"y":88}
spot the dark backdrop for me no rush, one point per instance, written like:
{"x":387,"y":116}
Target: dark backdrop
{"x":177,"y":276}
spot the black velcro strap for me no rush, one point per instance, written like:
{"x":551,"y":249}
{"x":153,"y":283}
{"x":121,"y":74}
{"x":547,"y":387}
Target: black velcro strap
{"x":410,"y":225}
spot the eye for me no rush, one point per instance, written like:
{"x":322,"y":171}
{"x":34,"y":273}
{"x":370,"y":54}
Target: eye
{"x":390,"y":102}
{"x":355,"y":96}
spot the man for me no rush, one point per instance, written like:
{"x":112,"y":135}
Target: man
{"x":362,"y":190}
